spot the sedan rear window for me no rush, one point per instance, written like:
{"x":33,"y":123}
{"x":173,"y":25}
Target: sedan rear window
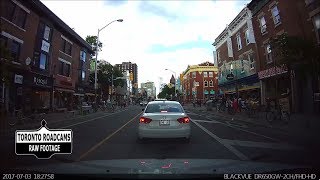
{"x":158,"y":108}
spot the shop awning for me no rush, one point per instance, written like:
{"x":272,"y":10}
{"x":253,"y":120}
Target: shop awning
{"x":245,"y":80}
{"x":89,"y":94}
{"x":249,"y":88}
{"x":64,"y":90}
{"x":77,"y":94}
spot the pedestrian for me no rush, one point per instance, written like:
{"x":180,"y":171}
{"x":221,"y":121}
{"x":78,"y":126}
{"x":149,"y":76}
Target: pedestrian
{"x":235,"y":105}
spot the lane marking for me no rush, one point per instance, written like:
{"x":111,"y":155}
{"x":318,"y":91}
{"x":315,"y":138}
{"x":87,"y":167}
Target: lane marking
{"x":106,"y":138}
{"x":279,"y":146}
{"x":211,"y":121}
{"x":257,"y":134}
{"x":240,"y":155}
{"x":89,"y":120}
{"x":85,"y":116}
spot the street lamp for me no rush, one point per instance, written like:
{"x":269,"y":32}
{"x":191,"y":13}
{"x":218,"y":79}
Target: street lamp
{"x":175,"y":77}
{"x":95,"y":69}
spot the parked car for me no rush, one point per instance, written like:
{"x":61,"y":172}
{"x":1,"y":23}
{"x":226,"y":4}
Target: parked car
{"x":164,"y":119}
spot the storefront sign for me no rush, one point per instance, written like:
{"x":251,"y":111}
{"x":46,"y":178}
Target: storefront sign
{"x":45,"y":46}
{"x":40,"y":81}
{"x":18,"y":79}
{"x":65,"y":83}
{"x":230,"y":77}
{"x":273,"y":71}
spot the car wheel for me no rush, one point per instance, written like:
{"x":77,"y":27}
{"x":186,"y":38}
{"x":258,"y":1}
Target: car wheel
{"x":140,"y":139}
{"x":187,"y":139}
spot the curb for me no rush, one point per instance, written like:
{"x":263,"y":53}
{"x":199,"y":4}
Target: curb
{"x":225,"y":118}
{"x":237,"y":119}
{"x":36,"y":125}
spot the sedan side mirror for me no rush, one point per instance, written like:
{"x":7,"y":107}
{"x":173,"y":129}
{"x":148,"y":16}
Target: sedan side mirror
{"x":142,"y":109}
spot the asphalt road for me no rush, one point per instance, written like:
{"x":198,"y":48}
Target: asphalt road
{"x":114,"y":136}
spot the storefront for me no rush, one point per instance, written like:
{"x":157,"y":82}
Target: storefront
{"x":38,"y":93}
{"x":78,"y":96}
{"x":245,"y":87}
{"x":276,"y":83}
{"x":63,"y":94}
{"x":89,"y":95}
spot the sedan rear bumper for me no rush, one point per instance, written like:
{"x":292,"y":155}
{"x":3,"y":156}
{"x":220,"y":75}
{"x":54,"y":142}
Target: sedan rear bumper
{"x":145,"y":132}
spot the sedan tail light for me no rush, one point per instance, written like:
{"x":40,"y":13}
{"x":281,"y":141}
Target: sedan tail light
{"x":145,"y":120}
{"x":184,"y":120}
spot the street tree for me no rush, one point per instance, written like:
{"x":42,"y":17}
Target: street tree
{"x":166,"y":92}
{"x":92,"y":40}
{"x":104,"y":75}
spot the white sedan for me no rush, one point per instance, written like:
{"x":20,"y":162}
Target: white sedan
{"x":164,"y":119}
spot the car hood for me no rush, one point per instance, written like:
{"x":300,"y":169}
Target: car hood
{"x":162,"y":166}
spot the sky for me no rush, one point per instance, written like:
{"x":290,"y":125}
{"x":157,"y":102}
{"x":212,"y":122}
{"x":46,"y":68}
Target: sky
{"x":154,"y":34}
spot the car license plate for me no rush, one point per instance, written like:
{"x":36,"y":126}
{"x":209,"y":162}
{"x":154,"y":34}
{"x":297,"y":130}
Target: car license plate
{"x":164,"y":122}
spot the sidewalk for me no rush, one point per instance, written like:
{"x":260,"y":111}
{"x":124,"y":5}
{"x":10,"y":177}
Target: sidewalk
{"x":298,"y":125}
{"x":50,"y":118}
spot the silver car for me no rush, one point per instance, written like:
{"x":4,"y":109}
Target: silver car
{"x":164,"y":119}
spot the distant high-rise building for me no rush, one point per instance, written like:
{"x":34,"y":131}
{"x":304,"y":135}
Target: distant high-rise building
{"x":150,"y":88}
{"x":132,"y":68}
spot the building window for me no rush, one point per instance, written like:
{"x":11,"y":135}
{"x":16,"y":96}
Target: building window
{"x":66,"y":47}
{"x":263,"y":25}
{"x":83,"y":75}
{"x":43,"y":61}
{"x":251,"y":61}
{"x":247,"y":36}
{"x":21,"y":18}
{"x":316,"y":22}
{"x":205,"y":83}
{"x":218,"y":56}
{"x":205,"y":74}
{"x":193,"y":74}
{"x":83,"y":56}
{"x":64,"y":69}
{"x":239,"y":42}
{"x":211,"y":83}
{"x":268,"y":53}
{"x":46,"y":33}
{"x":9,"y":10}
{"x":15,"y":50}
{"x":275,"y":15}
{"x":211,"y":74}
{"x":242,"y":66}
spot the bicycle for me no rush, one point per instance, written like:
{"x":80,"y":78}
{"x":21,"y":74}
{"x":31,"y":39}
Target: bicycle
{"x":20,"y":118}
{"x":279,"y":112}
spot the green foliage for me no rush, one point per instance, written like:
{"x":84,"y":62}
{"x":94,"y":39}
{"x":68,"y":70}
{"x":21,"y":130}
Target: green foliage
{"x":104,"y":74}
{"x":92,"y":40}
{"x":296,"y":53}
{"x":166,"y":92}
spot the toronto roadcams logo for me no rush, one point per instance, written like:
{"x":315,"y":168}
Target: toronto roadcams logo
{"x":44,"y":142}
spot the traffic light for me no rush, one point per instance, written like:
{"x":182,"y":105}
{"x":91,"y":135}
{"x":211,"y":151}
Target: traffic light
{"x":131,"y":76}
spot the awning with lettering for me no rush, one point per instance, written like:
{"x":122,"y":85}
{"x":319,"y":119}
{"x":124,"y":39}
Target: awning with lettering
{"x":64,"y":90}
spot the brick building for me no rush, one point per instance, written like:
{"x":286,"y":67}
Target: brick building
{"x":40,"y":58}
{"x":200,"y":82}
{"x":132,"y":68}
{"x":295,"y":18}
{"x":237,"y":58}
